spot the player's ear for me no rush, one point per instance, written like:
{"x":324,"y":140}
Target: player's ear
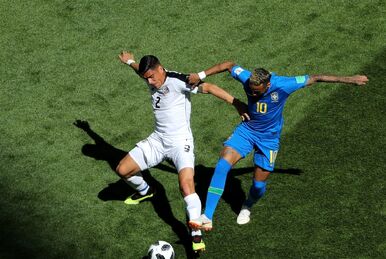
{"x":268,"y":84}
{"x":159,"y":68}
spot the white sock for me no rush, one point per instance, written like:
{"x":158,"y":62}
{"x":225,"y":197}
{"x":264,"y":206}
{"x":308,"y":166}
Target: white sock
{"x":196,"y":233}
{"x":137,"y":182}
{"x":193,"y":208}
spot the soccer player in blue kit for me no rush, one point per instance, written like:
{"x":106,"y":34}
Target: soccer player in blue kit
{"x":267,"y":94}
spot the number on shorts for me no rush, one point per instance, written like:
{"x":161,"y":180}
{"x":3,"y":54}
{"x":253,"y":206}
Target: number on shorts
{"x":272,"y":156}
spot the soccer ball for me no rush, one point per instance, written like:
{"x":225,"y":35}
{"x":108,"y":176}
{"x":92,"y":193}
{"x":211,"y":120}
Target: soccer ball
{"x":160,"y":250}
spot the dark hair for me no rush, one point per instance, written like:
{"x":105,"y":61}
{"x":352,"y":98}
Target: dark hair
{"x":148,"y":62}
{"x":260,"y":76}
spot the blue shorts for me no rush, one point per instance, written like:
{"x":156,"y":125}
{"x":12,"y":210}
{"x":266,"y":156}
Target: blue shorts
{"x":266,"y":147}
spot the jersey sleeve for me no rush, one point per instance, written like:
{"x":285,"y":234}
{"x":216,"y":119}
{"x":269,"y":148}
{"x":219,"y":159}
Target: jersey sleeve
{"x":240,"y":74}
{"x":192,"y":89}
{"x":189,"y":88}
{"x":293,"y":83}
{"x":184,"y":85}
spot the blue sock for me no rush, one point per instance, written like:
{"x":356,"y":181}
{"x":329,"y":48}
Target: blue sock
{"x":216,"y":187}
{"x":256,"y":191}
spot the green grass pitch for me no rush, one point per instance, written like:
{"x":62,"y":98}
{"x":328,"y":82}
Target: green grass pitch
{"x":60,"y":197}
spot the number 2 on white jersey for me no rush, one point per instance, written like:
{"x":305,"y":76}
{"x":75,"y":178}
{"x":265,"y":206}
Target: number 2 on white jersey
{"x":157,"y":102}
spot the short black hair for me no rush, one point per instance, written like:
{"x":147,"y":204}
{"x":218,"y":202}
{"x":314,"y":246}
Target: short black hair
{"x":148,"y":62}
{"x":260,"y":76}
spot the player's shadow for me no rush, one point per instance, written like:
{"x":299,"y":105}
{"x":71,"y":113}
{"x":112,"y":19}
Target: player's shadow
{"x":233,"y":192}
{"x":119,"y":190}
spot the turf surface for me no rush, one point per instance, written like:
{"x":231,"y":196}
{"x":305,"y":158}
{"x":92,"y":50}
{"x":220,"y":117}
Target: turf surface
{"x":60,"y":196}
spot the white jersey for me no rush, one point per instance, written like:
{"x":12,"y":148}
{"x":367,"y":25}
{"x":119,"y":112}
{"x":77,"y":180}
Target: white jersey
{"x":172,"y":106}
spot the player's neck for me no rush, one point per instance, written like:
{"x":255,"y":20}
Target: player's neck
{"x":164,"y":76}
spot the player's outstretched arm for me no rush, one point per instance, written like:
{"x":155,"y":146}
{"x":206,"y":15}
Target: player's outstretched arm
{"x":127,"y":57}
{"x":357,"y":79}
{"x":220,"y":93}
{"x":195,"y":78}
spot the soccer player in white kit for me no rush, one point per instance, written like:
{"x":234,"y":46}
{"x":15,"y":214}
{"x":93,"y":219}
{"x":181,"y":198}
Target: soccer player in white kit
{"x":172,"y":138}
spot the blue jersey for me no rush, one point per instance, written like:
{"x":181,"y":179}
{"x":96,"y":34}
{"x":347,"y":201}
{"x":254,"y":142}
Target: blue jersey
{"x":266,"y":111}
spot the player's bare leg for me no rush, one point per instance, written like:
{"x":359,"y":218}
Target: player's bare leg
{"x":186,"y":181}
{"x":127,"y":167}
{"x":230,"y":155}
{"x":130,"y":172}
{"x":260,"y":174}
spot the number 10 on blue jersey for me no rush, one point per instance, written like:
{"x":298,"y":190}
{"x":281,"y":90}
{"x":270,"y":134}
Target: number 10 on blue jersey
{"x":261,"y":107}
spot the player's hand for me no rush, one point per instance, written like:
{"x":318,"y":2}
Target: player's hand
{"x":242,"y":109}
{"x":360,"y":79}
{"x":245,"y":117}
{"x":125,"y":56}
{"x":82,"y":124}
{"x":194,"y":79}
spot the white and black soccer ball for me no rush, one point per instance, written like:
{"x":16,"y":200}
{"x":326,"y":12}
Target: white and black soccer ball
{"x":161,"y":250}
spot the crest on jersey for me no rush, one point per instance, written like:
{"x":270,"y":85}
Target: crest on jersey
{"x":274,"y":97}
{"x":164,"y":90}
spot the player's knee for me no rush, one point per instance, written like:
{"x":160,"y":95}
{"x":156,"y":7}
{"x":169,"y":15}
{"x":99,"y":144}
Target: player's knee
{"x":123,"y":170}
{"x":120,"y":170}
{"x":127,"y":167}
{"x":230,"y":155}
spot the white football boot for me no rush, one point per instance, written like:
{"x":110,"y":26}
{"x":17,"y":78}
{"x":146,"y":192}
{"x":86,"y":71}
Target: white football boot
{"x":244,"y":215}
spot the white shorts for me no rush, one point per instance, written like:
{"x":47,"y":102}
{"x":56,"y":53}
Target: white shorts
{"x":156,"y":148}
